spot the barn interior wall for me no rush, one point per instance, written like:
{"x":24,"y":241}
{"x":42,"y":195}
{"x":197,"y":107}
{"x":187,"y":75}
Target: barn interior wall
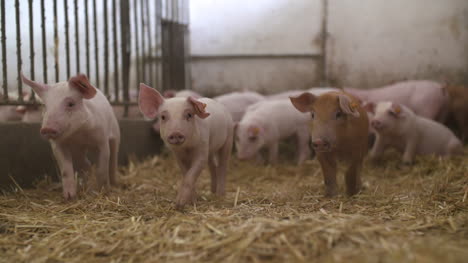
{"x":370,"y":43}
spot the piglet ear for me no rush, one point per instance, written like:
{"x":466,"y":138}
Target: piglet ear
{"x":302,"y":102}
{"x":369,"y":107}
{"x":149,"y":101}
{"x":81,"y":83}
{"x":199,"y":107}
{"x":348,"y":106}
{"x":39,"y":88}
{"x":396,"y":109}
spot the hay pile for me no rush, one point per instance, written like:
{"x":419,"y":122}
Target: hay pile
{"x":275,"y":214}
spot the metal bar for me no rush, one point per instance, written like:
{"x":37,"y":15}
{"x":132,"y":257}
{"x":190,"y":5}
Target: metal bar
{"x":96,"y":43}
{"x":125,"y":48}
{"x":77,"y":38}
{"x":149,"y":53}
{"x":56,"y":43}
{"x":31,"y":41}
{"x":67,"y":37}
{"x":157,"y":28}
{"x":143,"y":42}
{"x":18,"y":49}
{"x":87,"y":37}
{"x":324,"y":33}
{"x":44,"y":45}
{"x":116,"y":51}
{"x":4,"y":54}
{"x":106,"y":51}
{"x":137,"y":45}
{"x":256,"y":56}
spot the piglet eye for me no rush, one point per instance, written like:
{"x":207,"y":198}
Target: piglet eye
{"x":163,"y":117}
{"x":312,"y":115}
{"x":339,"y":115}
{"x":70,"y":104}
{"x":188,"y":116}
{"x":391,"y":113}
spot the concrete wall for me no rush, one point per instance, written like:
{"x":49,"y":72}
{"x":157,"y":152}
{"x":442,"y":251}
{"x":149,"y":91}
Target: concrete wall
{"x":370,"y":42}
{"x":266,"y":45}
{"x":373,"y":42}
{"x":26,"y":157}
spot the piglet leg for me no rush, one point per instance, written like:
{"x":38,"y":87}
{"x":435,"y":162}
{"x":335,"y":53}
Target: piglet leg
{"x":113,"y":159}
{"x":102,"y":171}
{"x":378,"y":148}
{"x":212,"y":166}
{"x":186,"y":192}
{"x":224,"y":156}
{"x":65,"y":163}
{"x":353,"y":179}
{"x":410,"y":150}
{"x":328,"y":164}
{"x":273,"y":152}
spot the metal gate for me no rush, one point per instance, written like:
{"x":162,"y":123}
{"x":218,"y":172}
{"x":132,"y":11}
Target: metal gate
{"x":117,"y":43}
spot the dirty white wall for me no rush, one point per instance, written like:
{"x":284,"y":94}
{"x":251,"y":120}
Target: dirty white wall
{"x":374,"y":42}
{"x":276,"y":41}
{"x":371,"y":42}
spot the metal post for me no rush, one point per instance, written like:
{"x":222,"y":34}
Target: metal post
{"x":106,"y":51}
{"x":18,"y":49}
{"x":56,"y":42}
{"x":87,"y":37}
{"x":44,"y":45}
{"x":4,"y":54}
{"x":77,"y":38}
{"x":116,"y":51}
{"x":96,"y":44}
{"x":324,"y":33}
{"x":125,"y":49}
{"x":67,"y":37}
{"x":31,"y":42}
{"x":137,"y":45}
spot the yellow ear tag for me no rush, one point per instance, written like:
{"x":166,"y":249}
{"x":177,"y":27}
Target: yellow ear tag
{"x":397,"y":110}
{"x":255,"y":130}
{"x":353,"y":105}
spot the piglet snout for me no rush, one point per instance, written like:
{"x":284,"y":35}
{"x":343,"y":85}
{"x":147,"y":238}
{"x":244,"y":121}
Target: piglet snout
{"x":176,"y":138}
{"x":376,"y":124}
{"x":49,"y":133}
{"x":321,"y":145}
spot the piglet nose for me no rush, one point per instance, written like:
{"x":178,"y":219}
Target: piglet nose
{"x":49,"y":133}
{"x":319,"y":143}
{"x":376,"y":124}
{"x":176,"y":138}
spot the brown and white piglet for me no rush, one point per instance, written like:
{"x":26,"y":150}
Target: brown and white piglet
{"x":79,"y":119}
{"x":198,"y":132}
{"x":339,"y":131}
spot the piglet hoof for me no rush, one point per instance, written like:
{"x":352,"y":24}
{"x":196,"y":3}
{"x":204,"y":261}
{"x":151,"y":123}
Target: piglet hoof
{"x":407,"y":162}
{"x":69,"y":195}
{"x":331,"y":192}
{"x":184,"y":198}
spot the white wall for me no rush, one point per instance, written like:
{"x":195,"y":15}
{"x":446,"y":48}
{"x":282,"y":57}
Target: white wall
{"x":259,"y":27}
{"x":374,"y":42}
{"x":371,"y":42}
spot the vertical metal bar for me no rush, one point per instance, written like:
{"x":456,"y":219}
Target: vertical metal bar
{"x":149,"y":53}
{"x":106,"y":51}
{"x":324,"y":33}
{"x":87,"y":37}
{"x":44,"y":46}
{"x":31,"y":41}
{"x":125,"y":49}
{"x":137,"y":45}
{"x":77,"y":38}
{"x":96,"y":43}
{"x":4,"y":54}
{"x":67,"y":37}
{"x":18,"y":49}
{"x":116,"y":52}
{"x":143,"y":42}
{"x":157,"y":28}
{"x":56,"y":43}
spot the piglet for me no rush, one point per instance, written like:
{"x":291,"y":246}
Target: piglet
{"x":426,"y":98}
{"x":458,"y":107}
{"x":237,"y":102}
{"x":78,"y":118}
{"x":268,"y":122}
{"x":399,"y":127}
{"x":339,"y":130}
{"x":198,"y":132}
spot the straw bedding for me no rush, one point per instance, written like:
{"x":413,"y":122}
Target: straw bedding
{"x":276,"y":213}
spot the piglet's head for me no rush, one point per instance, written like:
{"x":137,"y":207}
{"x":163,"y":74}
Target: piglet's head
{"x":178,"y":118}
{"x":65,"y":111}
{"x":330,"y":113}
{"x":249,"y":139}
{"x":388,"y":116}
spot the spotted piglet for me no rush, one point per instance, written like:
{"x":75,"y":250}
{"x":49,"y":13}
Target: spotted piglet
{"x":339,"y":130}
{"x":77,"y":119}
{"x":399,"y":127}
{"x":198,"y":132}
